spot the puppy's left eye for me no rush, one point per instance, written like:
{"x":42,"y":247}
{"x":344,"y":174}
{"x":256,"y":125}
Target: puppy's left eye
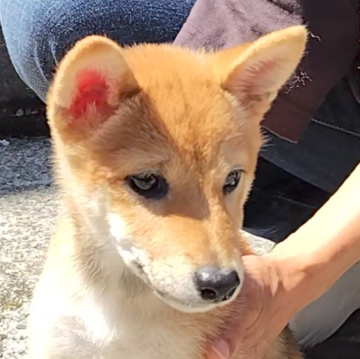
{"x":148,"y":185}
{"x":232,"y":181}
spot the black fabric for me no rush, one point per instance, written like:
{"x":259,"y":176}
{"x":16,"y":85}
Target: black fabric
{"x":280,"y":203}
{"x":341,"y":110}
{"x":329,"y":149}
{"x":344,"y":344}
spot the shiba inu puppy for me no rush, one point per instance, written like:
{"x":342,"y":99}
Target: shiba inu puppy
{"x":155,"y":152}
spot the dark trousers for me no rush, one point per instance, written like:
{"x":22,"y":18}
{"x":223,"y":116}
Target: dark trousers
{"x":280,"y":203}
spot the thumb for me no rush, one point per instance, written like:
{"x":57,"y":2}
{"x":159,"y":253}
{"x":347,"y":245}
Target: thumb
{"x":220,"y":349}
{"x":225,"y":345}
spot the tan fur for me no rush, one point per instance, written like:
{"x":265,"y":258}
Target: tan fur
{"x":191,"y":116}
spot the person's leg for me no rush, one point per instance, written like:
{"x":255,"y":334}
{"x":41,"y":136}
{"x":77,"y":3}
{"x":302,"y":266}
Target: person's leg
{"x":39,"y":32}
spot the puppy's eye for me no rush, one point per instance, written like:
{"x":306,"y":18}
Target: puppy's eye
{"x":148,"y":185}
{"x":232,"y":181}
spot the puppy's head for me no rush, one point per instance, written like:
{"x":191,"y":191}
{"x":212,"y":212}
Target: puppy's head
{"x":158,"y":146}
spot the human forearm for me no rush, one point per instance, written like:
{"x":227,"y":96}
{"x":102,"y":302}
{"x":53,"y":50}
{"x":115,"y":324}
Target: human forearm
{"x":325,"y":247}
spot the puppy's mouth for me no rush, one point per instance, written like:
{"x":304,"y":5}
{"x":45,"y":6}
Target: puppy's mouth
{"x":178,"y":289}
{"x":183,"y":306}
{"x":138,"y":268}
{"x":188,"y":307}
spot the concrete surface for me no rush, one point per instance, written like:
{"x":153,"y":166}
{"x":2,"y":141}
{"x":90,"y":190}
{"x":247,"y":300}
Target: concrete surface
{"x":28,"y":206}
{"x":27,"y":211}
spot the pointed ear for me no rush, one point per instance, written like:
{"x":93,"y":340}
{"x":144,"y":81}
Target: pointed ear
{"x":258,"y":70}
{"x":90,"y":84}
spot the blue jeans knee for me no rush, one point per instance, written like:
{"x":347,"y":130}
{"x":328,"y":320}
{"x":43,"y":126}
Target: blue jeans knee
{"x":39,"y":32}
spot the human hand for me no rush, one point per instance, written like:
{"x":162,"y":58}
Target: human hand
{"x":264,"y":309}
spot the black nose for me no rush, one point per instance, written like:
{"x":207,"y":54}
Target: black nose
{"x":216,"y":284}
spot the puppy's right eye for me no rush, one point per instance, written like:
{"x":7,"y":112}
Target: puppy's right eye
{"x":232,"y":181}
{"x":148,"y":185}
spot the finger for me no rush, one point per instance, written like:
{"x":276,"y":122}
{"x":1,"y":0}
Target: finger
{"x":224,"y":346}
{"x":261,"y":348}
{"x":219,"y":349}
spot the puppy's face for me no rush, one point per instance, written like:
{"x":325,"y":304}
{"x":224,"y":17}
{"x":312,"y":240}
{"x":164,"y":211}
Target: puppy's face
{"x":160,"y":145}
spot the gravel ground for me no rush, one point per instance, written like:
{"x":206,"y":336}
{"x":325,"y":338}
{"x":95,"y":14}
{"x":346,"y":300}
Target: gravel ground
{"x":28,"y":206}
{"x":27,"y":209}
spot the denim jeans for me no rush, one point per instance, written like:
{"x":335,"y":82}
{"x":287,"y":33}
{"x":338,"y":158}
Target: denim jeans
{"x":39,"y":32}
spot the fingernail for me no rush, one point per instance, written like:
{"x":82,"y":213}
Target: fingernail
{"x":221,"y":348}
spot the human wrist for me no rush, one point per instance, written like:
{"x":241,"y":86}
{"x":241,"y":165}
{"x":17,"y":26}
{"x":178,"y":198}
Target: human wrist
{"x":295,"y":288}
{"x":307,"y":273}
{"x":283,"y":281}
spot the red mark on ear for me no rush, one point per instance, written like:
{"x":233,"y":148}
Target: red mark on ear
{"x":92,"y":90}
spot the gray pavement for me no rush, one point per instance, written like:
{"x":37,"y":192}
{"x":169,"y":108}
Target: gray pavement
{"x":28,"y":207}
